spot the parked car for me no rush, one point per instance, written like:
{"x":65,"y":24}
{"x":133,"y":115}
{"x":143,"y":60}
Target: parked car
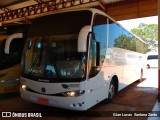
{"x":152,"y":60}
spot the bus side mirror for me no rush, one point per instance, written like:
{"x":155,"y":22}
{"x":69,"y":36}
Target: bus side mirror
{"x":82,"y":38}
{"x":9,"y":40}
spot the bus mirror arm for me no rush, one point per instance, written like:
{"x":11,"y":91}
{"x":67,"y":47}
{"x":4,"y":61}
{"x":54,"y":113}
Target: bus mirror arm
{"x":9,"y":40}
{"x":82,"y":38}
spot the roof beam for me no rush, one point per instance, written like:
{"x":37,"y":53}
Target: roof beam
{"x":102,"y":5}
{"x":119,"y":11}
{"x":41,"y":8}
{"x":38,"y":1}
{"x":5,"y":9}
{"x":13,"y":3}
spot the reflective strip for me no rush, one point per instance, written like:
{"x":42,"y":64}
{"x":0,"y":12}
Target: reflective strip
{"x":2,"y":81}
{"x":17,"y":79}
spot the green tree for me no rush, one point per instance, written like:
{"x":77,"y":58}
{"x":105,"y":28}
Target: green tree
{"x":125,"y":42}
{"x":148,"y":33}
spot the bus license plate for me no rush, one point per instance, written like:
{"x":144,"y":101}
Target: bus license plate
{"x":42,"y":101}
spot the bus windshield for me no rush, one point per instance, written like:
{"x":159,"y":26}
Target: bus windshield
{"x":53,"y":57}
{"x":51,"y":53}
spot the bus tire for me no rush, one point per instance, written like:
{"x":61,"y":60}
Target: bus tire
{"x":141,"y":76}
{"x":111,"y":92}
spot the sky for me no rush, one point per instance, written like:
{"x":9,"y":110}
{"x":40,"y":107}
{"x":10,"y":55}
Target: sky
{"x":133,"y":23}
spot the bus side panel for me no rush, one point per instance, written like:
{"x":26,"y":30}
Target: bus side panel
{"x":125,"y":64}
{"x":125,"y":52}
{"x":10,"y":79}
{"x":96,"y":89}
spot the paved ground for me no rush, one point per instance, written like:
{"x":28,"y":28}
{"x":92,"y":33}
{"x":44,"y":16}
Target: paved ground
{"x":135,"y":99}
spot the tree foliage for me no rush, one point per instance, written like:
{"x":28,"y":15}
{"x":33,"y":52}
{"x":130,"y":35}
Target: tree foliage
{"x":148,"y":33}
{"x":130,"y":43}
{"x":125,"y":42}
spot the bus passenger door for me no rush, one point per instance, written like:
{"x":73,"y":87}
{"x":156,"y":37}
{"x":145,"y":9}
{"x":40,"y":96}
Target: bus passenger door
{"x":94,"y":58}
{"x":97,"y":50}
{"x":95,"y":82}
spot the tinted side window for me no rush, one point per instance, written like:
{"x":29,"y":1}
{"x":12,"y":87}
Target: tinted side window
{"x":100,"y":32}
{"x":121,"y":38}
{"x":115,"y":35}
{"x":98,"y":44}
{"x":14,"y":57}
{"x":2,"y":54}
{"x":16,"y":48}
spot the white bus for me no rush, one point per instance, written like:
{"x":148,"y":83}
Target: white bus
{"x":76,"y":59}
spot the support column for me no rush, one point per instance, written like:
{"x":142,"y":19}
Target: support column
{"x":158,"y":50}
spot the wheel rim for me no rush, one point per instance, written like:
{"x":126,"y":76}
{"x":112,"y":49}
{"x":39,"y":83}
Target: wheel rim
{"x":111,"y":91}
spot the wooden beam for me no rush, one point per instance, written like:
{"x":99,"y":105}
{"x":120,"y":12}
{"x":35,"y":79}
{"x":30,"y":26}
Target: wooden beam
{"x":38,"y":1}
{"x":5,"y":9}
{"x":102,"y":5}
{"x":130,"y":9}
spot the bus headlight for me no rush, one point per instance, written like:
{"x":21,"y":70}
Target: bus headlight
{"x":24,"y":87}
{"x":73,"y":93}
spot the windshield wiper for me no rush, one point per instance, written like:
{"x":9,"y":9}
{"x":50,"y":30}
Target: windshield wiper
{"x":33,"y":65}
{"x":56,"y":70}
{"x":38,"y":58}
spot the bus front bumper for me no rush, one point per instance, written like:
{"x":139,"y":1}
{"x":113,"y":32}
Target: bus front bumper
{"x":73,"y":103}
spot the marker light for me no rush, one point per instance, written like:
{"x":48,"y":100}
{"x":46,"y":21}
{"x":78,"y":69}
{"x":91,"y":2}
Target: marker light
{"x":2,"y":81}
{"x":24,"y":87}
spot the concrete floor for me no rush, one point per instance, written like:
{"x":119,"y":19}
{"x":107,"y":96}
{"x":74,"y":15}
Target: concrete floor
{"x":152,"y":74}
{"x":156,"y":108}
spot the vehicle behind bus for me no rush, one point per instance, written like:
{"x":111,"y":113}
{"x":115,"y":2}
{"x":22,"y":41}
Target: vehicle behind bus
{"x":10,"y":69}
{"x":152,"y":60}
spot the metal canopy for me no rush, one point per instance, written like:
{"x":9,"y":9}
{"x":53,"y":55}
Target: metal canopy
{"x":21,"y":10}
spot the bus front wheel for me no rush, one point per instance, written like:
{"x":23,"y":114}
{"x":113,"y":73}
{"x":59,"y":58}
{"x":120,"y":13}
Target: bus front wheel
{"x":141,"y":75}
{"x":111,"y":92}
